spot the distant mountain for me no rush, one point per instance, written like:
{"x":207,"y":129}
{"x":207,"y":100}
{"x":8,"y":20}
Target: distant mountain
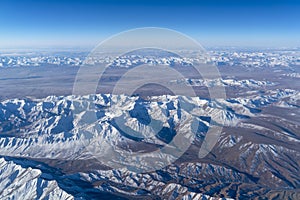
{"x":249,"y":59}
{"x":225,"y":83}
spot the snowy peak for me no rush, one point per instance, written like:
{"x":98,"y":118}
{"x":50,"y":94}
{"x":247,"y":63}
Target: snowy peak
{"x":225,"y":83}
{"x":26,"y":183}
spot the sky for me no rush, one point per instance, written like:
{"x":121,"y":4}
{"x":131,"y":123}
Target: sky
{"x":38,"y":23}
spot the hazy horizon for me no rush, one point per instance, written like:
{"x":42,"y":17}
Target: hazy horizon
{"x":255,"y":23}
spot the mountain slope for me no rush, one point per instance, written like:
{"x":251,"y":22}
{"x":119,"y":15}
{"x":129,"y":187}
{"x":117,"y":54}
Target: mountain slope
{"x":26,"y":183}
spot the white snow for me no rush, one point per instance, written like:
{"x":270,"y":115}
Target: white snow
{"x":26,"y":183}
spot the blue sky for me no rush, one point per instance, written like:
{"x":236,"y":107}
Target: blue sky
{"x":265,"y":23}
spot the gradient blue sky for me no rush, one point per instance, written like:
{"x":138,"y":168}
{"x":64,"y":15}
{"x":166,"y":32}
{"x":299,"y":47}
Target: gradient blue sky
{"x":265,"y":23}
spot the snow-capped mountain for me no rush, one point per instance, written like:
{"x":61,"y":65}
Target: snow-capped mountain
{"x":54,"y":130}
{"x":28,"y":126}
{"x":18,"y":182}
{"x":225,"y":83}
{"x":58,"y":122}
{"x":293,"y":75}
{"x":254,"y":58}
{"x":246,"y":58}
